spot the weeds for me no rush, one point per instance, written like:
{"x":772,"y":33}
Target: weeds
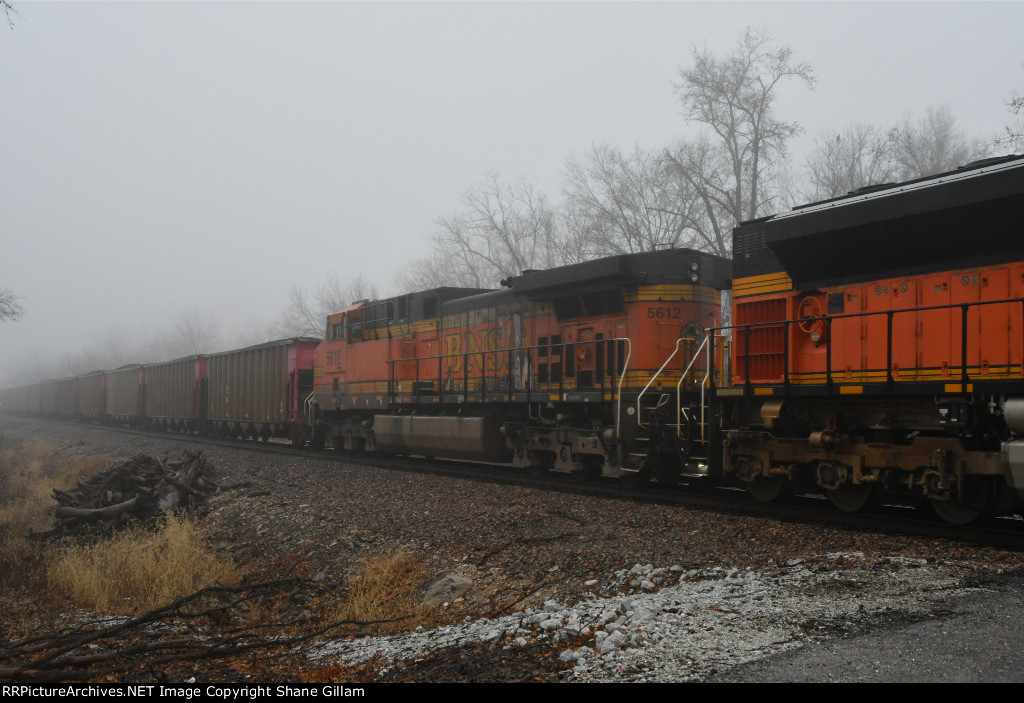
{"x":386,"y":588}
{"x":135,"y":570}
{"x":28,"y":475}
{"x":138,"y":569}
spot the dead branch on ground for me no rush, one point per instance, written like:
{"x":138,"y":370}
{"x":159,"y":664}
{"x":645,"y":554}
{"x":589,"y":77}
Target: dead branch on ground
{"x":214,"y":622}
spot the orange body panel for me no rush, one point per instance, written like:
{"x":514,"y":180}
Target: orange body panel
{"x":910,"y":327}
{"x":520,"y":346}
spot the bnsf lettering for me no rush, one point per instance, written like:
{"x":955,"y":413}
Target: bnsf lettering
{"x":477,"y":346}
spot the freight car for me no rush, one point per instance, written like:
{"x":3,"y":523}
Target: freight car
{"x":172,"y":394}
{"x":258,"y":392}
{"x":877,"y":346}
{"x":565,"y":369}
{"x":126,"y":396}
{"x":91,"y":396}
{"x":254,"y":393}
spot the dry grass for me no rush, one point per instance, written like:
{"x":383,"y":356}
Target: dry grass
{"x":135,"y":570}
{"x":139,"y":569}
{"x":386,"y":588}
{"x":28,"y":475}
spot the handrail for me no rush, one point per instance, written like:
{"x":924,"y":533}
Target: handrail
{"x":618,"y":393}
{"x":679,"y":387}
{"x":828,"y":320}
{"x":510,"y":350}
{"x":307,"y":405}
{"x":867,"y":313}
{"x":639,"y":415}
{"x":558,"y":351}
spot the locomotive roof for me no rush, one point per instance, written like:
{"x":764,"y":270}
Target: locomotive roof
{"x":487,"y":299}
{"x":649,"y":267}
{"x":968,"y":217}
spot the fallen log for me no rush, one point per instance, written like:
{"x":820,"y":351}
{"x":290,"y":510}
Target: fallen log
{"x":108,"y":513}
{"x":140,"y":488}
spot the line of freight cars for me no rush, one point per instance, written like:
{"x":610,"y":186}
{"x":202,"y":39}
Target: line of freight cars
{"x":254,"y":393}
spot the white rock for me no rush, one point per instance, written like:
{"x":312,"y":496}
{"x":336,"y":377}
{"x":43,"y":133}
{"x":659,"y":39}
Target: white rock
{"x":673,"y":634}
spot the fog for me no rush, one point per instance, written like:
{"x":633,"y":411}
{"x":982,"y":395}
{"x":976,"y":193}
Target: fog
{"x":171,"y":160}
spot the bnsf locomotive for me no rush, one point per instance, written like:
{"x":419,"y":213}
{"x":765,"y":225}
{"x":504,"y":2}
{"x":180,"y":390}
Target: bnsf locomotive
{"x":567,"y":369}
{"x":877,"y":345}
{"x":874,"y":351}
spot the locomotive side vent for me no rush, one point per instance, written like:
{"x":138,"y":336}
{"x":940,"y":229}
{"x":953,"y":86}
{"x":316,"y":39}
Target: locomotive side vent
{"x":749,"y":242}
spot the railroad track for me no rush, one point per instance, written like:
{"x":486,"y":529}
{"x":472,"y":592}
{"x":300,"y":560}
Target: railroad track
{"x":1003,"y":533}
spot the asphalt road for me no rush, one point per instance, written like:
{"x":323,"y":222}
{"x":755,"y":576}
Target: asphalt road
{"x":976,"y":638}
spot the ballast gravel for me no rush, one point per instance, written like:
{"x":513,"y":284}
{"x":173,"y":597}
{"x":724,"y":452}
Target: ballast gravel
{"x":709,"y":621}
{"x":594,"y":588}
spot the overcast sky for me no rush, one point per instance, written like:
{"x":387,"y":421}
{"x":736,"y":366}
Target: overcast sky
{"x":163,"y":155}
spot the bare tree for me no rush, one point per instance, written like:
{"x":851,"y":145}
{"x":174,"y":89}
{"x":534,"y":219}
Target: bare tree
{"x":192,"y":330}
{"x":107,"y":348}
{"x":932,"y":145}
{"x":435,"y":271}
{"x":306,"y":316}
{"x":618,"y":204}
{"x":1012,"y":136}
{"x":841,"y":162}
{"x":9,"y":12}
{"x":10,"y":308}
{"x":703,"y":170}
{"x":501,"y":230}
{"x":729,"y":168}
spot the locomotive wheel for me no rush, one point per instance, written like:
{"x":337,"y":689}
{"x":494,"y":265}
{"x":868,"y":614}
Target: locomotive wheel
{"x":977,"y":500}
{"x":850,"y":497}
{"x":540,"y":463}
{"x":765,"y":489}
{"x":585,"y":468}
{"x":954,"y":512}
{"x":975,"y":503}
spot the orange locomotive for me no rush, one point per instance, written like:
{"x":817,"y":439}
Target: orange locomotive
{"x":573,"y":369}
{"x":877,"y":346}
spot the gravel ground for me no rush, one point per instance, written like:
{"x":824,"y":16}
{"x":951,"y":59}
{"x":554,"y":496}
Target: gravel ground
{"x":544,"y":585}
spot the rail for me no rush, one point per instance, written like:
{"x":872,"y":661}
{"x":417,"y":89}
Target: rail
{"x":959,"y":366}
